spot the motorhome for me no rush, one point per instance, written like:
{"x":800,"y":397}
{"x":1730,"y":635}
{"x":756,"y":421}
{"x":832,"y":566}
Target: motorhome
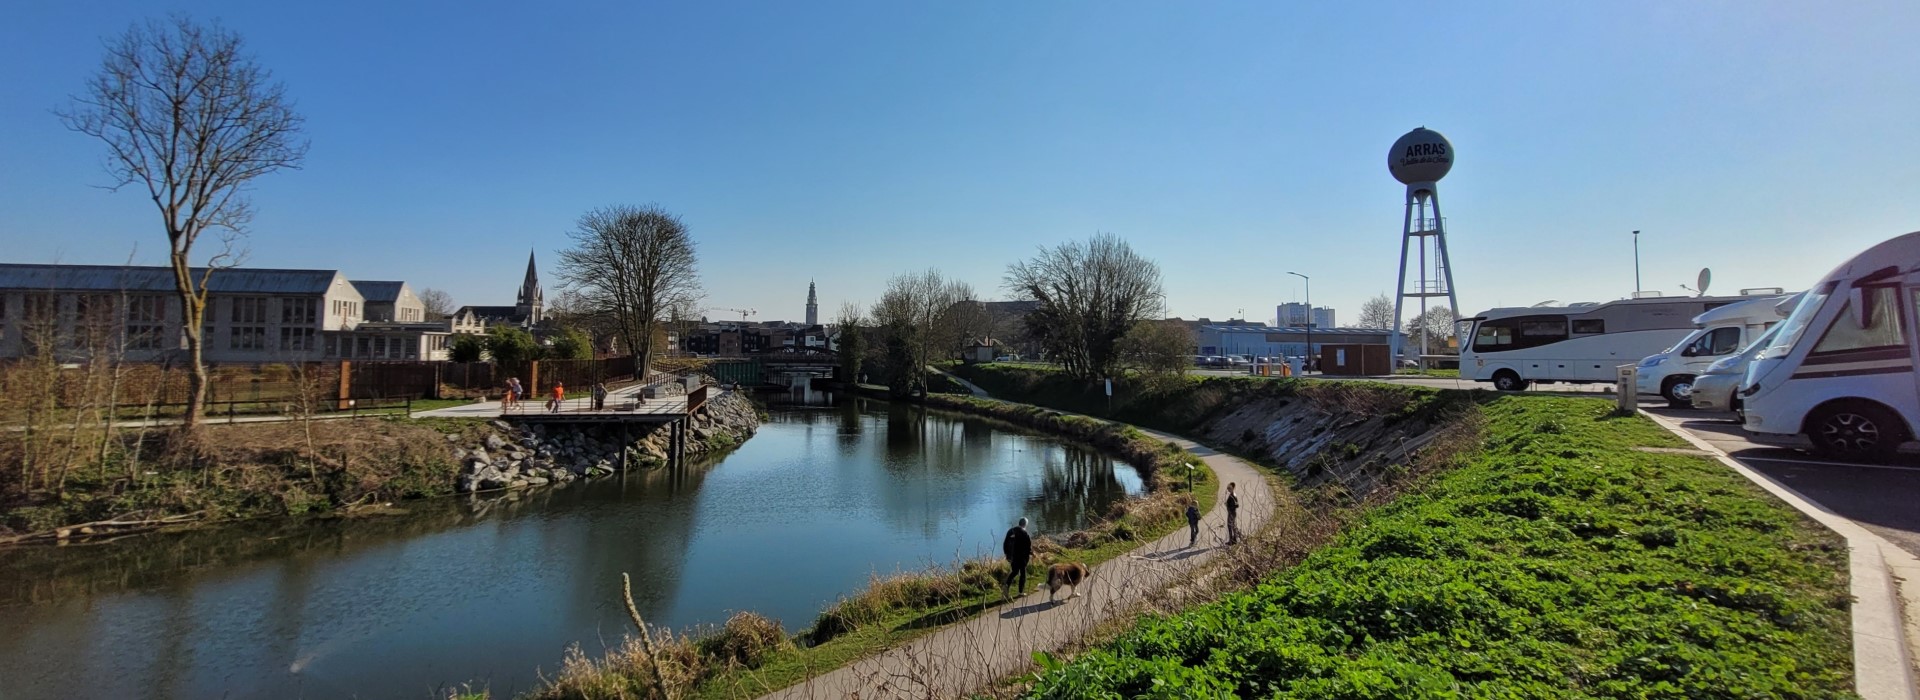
{"x":1717,"y":387}
{"x":1722,"y":332}
{"x":1840,"y":370}
{"x":1577,"y":343}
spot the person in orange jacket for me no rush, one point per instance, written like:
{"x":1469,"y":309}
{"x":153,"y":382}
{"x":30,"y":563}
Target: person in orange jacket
{"x":559,"y":397}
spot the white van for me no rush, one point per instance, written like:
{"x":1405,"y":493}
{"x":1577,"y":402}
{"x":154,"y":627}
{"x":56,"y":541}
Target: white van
{"x":1578,"y":343}
{"x":1723,"y":331}
{"x":1840,"y":370}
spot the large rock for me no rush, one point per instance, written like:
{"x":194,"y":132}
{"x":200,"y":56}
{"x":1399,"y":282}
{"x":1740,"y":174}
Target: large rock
{"x":494,"y":442}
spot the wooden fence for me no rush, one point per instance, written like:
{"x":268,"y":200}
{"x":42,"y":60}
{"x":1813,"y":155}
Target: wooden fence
{"x":167,"y":384}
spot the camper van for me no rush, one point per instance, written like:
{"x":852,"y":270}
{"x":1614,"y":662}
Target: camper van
{"x":1578,"y":343}
{"x":1723,"y":331}
{"x":1840,"y":369}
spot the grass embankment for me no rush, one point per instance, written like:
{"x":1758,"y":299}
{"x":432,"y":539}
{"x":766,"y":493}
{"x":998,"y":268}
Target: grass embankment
{"x":249,"y":470}
{"x":1442,"y":373}
{"x":739,"y":660}
{"x":1557,"y":562}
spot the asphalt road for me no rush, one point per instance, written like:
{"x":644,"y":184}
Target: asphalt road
{"x":1884,"y":498}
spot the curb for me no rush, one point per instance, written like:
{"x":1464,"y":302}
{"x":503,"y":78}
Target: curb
{"x":1883,"y":667}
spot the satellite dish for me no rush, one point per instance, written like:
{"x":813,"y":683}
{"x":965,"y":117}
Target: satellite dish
{"x":1700,"y":283}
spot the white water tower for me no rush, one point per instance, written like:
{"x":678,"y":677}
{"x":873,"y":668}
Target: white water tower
{"x":1418,"y":160}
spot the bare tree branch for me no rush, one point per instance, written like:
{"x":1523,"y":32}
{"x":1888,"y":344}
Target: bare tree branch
{"x":187,"y":114}
{"x":635,"y":266}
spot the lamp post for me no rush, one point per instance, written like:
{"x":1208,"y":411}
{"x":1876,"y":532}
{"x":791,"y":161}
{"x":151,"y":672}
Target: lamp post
{"x":1307,"y":364}
{"x":1636,"y":264}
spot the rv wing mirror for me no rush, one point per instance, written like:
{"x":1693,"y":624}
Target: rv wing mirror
{"x":1860,"y":305}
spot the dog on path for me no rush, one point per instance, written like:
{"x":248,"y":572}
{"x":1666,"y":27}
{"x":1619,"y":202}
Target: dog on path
{"x":1068,"y":576}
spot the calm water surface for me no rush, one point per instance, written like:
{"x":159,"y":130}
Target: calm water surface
{"x":488,"y":591}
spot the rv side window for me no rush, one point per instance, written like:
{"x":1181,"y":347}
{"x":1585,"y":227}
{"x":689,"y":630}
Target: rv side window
{"x":1493,"y":335}
{"x":1590,"y":325}
{"x":1884,"y":331}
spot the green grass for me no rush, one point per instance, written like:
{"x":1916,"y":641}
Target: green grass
{"x":1444,"y":373}
{"x":1559,"y":562}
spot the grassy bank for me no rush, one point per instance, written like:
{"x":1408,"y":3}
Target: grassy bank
{"x":743,"y":660}
{"x":249,"y":470}
{"x":1442,"y":373}
{"x":1558,"y":562}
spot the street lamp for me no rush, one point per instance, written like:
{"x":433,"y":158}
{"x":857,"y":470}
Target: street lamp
{"x":1636,"y":264}
{"x":1308,"y":364}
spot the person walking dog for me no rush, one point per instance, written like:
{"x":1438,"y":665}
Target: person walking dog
{"x":1193,"y":522}
{"x":1233,"y":515}
{"x":1018,"y":547}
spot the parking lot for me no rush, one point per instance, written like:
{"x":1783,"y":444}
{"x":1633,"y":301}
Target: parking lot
{"x":1884,"y":498}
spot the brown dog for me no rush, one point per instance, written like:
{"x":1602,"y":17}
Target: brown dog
{"x":1066,"y":576}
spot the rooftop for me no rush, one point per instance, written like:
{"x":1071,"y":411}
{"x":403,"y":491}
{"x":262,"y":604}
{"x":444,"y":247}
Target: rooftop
{"x":125,"y":278}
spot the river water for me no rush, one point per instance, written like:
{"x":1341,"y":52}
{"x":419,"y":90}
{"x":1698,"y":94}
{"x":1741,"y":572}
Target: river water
{"x":489,"y":591}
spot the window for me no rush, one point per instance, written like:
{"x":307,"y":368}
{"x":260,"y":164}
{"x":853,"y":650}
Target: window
{"x":1519,"y":333}
{"x":1882,"y":330}
{"x":413,"y":348}
{"x":296,"y":339}
{"x":1719,"y":341}
{"x":248,"y":319}
{"x":1589,"y":325}
{"x":146,"y":322}
{"x":298,"y":312}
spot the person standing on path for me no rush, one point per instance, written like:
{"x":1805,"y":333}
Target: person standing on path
{"x":1018,"y":547}
{"x":513,"y":394}
{"x":599,"y":396}
{"x":1193,"y":523}
{"x":1233,"y":515}
{"x":559,"y":397}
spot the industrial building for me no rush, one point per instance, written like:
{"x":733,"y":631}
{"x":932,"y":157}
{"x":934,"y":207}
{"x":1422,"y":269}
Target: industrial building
{"x":1261,"y":340}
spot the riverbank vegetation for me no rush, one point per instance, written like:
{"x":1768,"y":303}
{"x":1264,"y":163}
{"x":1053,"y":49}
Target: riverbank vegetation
{"x":896,"y":608}
{"x":1559,"y":561}
{"x":243,"y":470}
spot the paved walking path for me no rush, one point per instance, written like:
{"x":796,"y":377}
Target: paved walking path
{"x":968,"y":656}
{"x":977,"y":391}
{"x":491,"y":409}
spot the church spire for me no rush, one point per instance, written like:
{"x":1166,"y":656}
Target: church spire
{"x":813,"y":306}
{"x":531,"y":303}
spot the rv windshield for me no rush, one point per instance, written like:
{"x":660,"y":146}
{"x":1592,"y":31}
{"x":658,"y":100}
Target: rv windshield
{"x":1790,"y":330}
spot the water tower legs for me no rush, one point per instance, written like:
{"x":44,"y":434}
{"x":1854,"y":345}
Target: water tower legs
{"x":1416,"y":228}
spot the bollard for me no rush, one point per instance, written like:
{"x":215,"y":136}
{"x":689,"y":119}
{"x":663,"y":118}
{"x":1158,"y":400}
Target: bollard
{"x":1625,"y":389}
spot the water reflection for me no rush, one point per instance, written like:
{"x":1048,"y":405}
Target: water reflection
{"x":491,"y":589}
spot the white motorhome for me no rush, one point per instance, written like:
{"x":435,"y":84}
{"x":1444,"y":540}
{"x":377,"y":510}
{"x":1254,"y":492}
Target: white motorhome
{"x":1723,"y":332}
{"x":1578,"y":343}
{"x":1840,"y":369}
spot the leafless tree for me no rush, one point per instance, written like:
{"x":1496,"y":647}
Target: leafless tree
{"x":1090,"y":295}
{"x":189,"y":115}
{"x":913,"y":315}
{"x":439,"y":304}
{"x":1376,"y":313}
{"x":851,"y":344}
{"x":635,"y":265}
{"x":1158,"y":349}
{"x":1431,"y":330}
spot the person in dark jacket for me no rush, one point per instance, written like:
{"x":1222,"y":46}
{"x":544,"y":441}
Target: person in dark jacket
{"x":1233,"y":515}
{"x":1019,"y":548}
{"x":1193,"y":523}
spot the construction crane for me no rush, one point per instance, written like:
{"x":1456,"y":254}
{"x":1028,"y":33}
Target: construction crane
{"x":744,"y":313}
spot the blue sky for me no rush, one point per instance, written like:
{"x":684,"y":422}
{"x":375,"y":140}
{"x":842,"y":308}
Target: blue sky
{"x":846,"y":142}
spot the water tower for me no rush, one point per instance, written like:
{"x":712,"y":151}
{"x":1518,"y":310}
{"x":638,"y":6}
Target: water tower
{"x":1418,"y":160}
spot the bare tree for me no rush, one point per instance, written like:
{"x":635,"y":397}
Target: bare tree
{"x":1090,"y":295}
{"x":1376,"y":313}
{"x":635,"y":265}
{"x":851,"y":344}
{"x":1160,"y":350}
{"x":913,"y":314}
{"x":439,"y":304}
{"x":189,"y":115}
{"x":1430,"y":331}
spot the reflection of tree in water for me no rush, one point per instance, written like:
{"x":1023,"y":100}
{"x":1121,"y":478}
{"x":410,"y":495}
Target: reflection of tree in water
{"x":906,"y":430}
{"x":1075,"y":485}
{"x":639,"y":523}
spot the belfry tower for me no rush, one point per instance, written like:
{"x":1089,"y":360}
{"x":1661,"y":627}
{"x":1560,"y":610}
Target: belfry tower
{"x":813,"y":306}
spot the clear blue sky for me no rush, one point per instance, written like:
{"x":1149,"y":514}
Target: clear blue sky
{"x":850,"y":141}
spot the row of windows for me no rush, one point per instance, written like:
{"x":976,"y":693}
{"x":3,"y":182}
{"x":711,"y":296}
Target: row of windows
{"x":1521,"y":332}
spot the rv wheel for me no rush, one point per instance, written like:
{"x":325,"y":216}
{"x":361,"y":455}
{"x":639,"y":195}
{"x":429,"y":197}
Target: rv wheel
{"x":1855,"y":430}
{"x":1508,"y":380}
{"x":1678,"y":391}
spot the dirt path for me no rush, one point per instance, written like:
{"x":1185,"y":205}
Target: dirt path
{"x":968,"y":656}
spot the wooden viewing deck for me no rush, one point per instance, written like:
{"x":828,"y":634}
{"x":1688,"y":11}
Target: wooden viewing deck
{"x":624,"y":407}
